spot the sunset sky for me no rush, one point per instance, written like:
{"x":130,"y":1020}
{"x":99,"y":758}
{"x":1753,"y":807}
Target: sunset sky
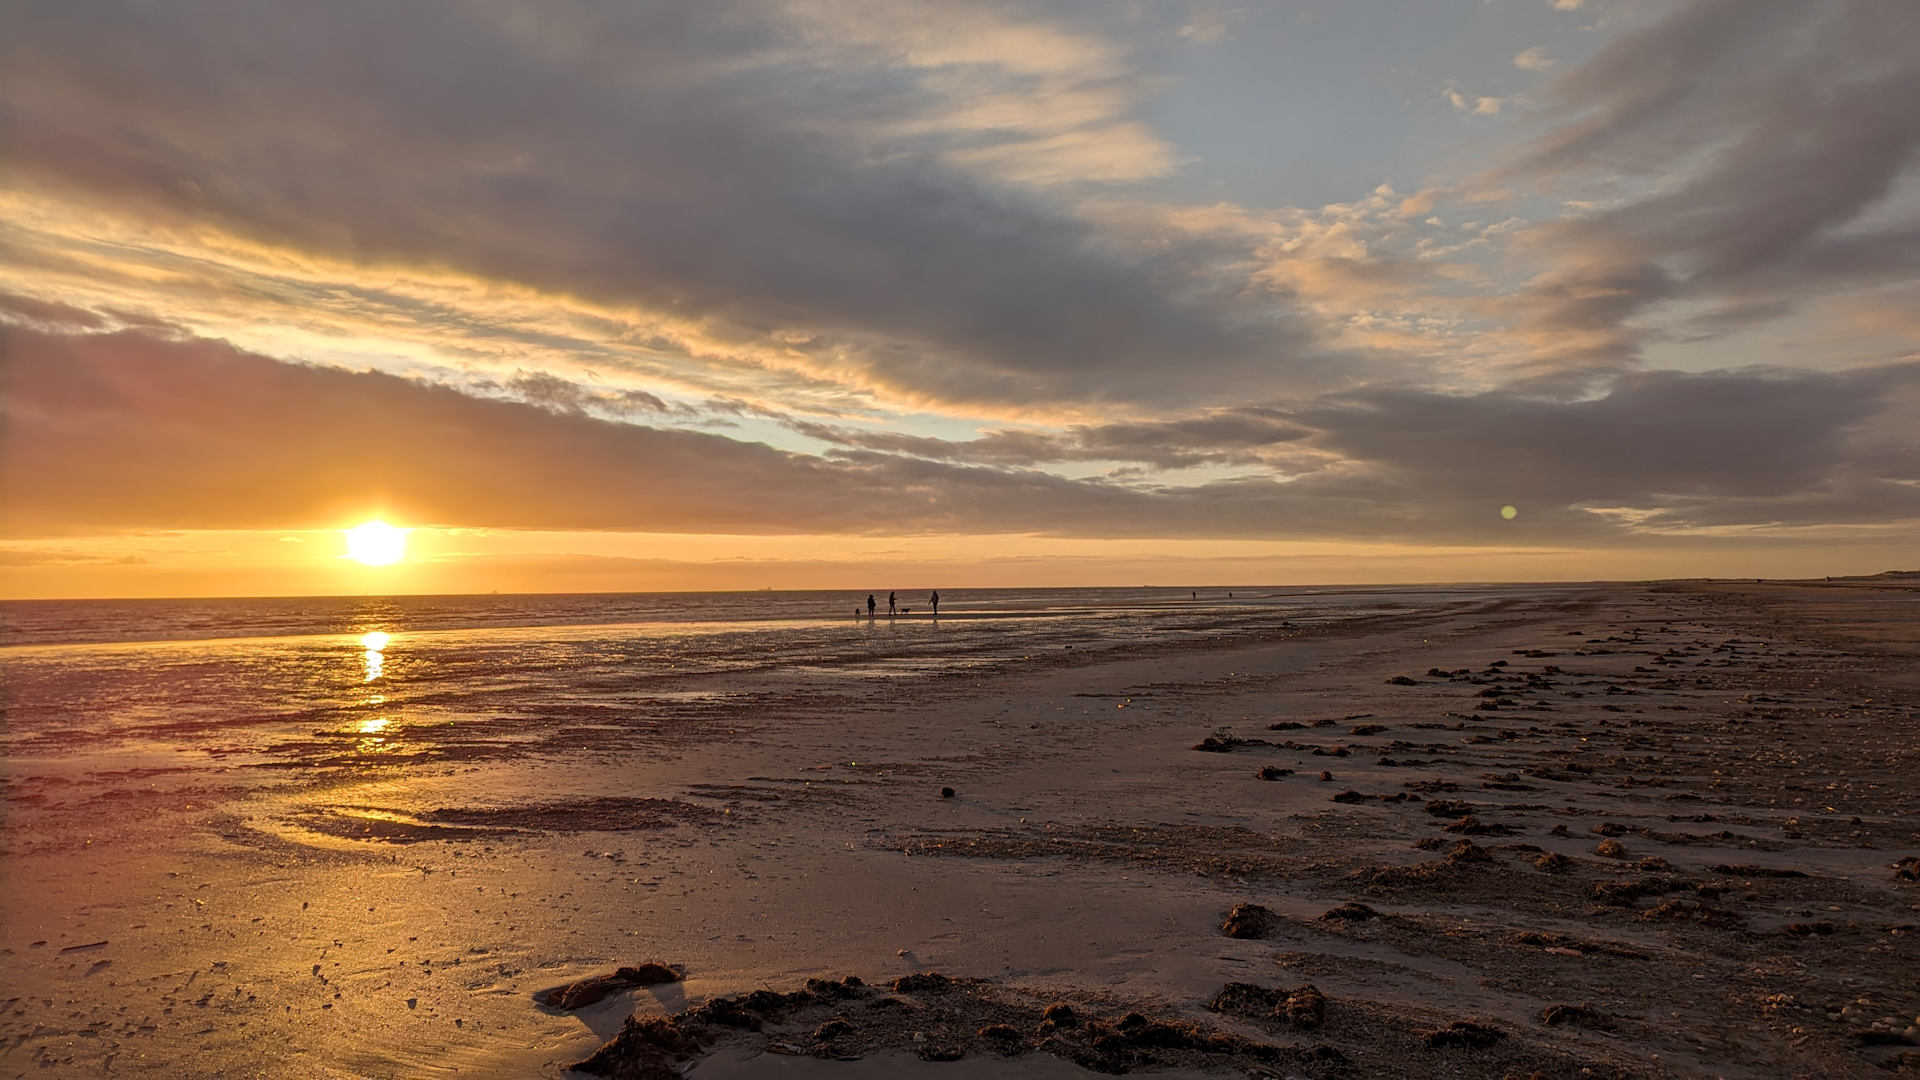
{"x":877,"y":294}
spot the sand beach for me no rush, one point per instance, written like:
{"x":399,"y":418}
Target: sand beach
{"x":1660,"y":830}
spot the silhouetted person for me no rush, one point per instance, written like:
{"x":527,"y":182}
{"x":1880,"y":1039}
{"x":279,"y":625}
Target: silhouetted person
{"x":870,"y":605}
{"x":935,"y":601}
{"x":890,"y":607}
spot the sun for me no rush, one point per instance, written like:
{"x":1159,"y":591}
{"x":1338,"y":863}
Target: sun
{"x":376,"y":543}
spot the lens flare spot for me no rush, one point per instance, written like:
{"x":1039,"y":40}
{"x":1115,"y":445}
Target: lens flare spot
{"x":1509,"y":512}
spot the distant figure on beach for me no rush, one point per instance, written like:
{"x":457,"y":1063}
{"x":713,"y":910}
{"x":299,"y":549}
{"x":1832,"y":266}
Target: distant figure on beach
{"x":890,"y":607}
{"x":935,"y":601}
{"x":1195,"y":594}
{"x":869,"y":605}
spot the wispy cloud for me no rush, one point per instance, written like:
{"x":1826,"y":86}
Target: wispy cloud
{"x":1533,"y":59}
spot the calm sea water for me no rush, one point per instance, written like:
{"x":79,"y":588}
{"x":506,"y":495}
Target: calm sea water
{"x":281,"y":683}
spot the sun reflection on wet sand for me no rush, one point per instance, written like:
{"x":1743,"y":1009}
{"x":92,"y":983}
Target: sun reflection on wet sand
{"x":373,"y":734}
{"x":375,"y":644}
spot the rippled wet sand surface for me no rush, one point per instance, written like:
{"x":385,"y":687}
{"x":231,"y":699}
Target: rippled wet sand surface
{"x":236,"y":857}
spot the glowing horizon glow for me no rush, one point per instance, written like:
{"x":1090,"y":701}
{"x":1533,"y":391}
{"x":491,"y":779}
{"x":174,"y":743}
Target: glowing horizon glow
{"x":376,"y":543}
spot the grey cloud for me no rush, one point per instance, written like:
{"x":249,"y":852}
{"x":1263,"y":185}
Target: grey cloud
{"x":1685,"y":449}
{"x":47,"y":315}
{"x":553,"y":392}
{"x":1785,"y":124}
{"x":675,"y":156}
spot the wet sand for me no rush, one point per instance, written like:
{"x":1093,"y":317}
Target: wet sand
{"x":1619,"y":830}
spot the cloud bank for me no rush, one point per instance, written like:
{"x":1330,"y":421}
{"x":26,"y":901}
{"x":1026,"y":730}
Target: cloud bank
{"x":129,"y":430}
{"x":900,"y":267}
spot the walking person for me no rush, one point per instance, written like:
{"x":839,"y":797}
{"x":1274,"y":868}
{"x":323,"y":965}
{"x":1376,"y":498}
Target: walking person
{"x":890,"y":607}
{"x":935,"y":601}
{"x":870,"y":605}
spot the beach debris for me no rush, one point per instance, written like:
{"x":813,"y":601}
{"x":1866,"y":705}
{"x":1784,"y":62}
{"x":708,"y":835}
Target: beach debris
{"x":925,"y":980}
{"x":587,"y":991}
{"x":1351,"y":912}
{"x":1008,"y":1036}
{"x":1453,"y":808}
{"x":1325,"y":775}
{"x":1058,"y":1015}
{"x":1286,"y":725}
{"x":1800,"y":929}
{"x":1610,"y":849}
{"x":646,"y":1048}
{"x":954,"y":1019}
{"x":1745,"y":870}
{"x":1552,"y":861}
{"x":1473,"y":826}
{"x":1248,"y":921}
{"x":1468,"y":852}
{"x":1574,"y":1016}
{"x":1563,"y":945}
{"x":1610,"y":828}
{"x":1907,"y":869}
{"x":1880,"y":1037}
{"x":1402,"y":680}
{"x":1222,"y":742}
{"x":1367,"y":729}
{"x":1305,"y":1007}
{"x":1463,"y":1034}
{"x":1350,"y":796}
{"x":837,"y":989}
{"x":1272,"y":772}
{"x":946,"y":793}
{"x":1690,"y":910}
{"x":832,"y":1030}
{"x":1624,"y":893}
{"x":1244,"y":998}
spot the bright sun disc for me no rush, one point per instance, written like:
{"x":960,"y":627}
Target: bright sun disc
{"x":376,"y":543}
